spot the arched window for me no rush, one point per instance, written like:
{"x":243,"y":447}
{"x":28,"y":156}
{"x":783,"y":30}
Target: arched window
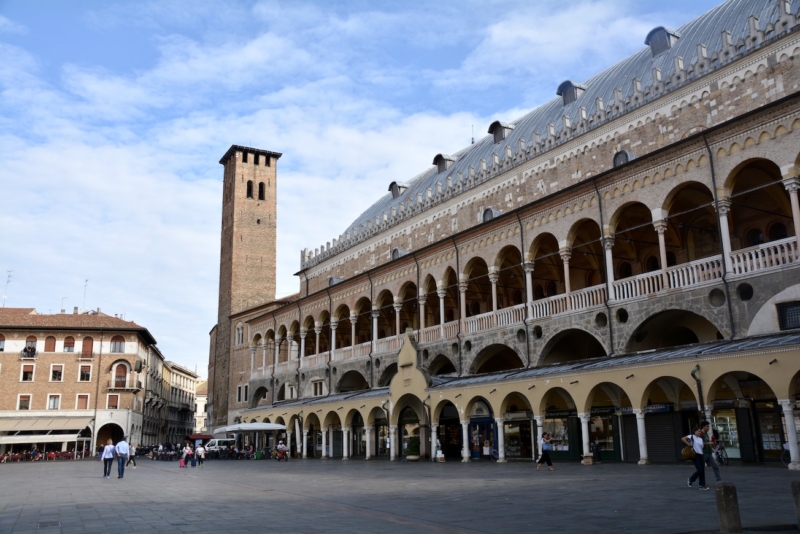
{"x":551,"y":288}
{"x":651,"y":264}
{"x":50,"y":344}
{"x":624,"y":270}
{"x":30,"y":342}
{"x":671,"y":260}
{"x":261,"y":191}
{"x":449,"y":316}
{"x":86,"y":347}
{"x":777,"y":231}
{"x":117,"y":344}
{"x":753,"y":237}
{"x":517,"y":297}
{"x":475,"y":308}
{"x":69,"y":344}
{"x":249,"y":188}
{"x":120,"y":375}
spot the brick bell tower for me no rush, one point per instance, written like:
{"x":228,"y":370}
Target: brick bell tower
{"x":247,"y":269}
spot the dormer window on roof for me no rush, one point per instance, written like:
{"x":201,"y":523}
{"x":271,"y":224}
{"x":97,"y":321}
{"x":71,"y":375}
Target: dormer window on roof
{"x":398,"y":253}
{"x":661,"y":39}
{"x":500,"y":130}
{"x":397,"y":188}
{"x":490,"y":213}
{"x":443,"y":162}
{"x":570,"y":91}
{"x":332,"y":281}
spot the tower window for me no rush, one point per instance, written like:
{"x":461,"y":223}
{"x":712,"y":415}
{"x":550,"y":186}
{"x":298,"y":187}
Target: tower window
{"x":261,"y":191}
{"x":249,"y":189}
{"x":244,"y":157}
{"x":255,"y":159}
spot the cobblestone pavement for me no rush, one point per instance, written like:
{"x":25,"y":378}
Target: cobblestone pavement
{"x":356,"y":496}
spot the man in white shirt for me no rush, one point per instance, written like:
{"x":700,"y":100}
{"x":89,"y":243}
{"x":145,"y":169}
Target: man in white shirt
{"x":122,"y":451}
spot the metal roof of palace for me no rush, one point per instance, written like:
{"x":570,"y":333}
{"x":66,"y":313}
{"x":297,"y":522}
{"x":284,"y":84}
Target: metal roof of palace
{"x":731,"y":16}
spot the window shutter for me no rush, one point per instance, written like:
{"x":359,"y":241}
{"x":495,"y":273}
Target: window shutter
{"x":50,"y":344}
{"x":88,"y":344}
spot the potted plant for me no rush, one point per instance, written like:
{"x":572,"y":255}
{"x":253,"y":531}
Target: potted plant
{"x":412,"y":449}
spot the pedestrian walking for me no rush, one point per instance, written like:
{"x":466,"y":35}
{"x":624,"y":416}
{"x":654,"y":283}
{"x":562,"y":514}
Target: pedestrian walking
{"x":132,"y":457}
{"x":107,"y":457}
{"x":708,"y":451}
{"x":547,"y":446}
{"x":696,"y":442}
{"x":200,"y":452}
{"x":123,"y":451}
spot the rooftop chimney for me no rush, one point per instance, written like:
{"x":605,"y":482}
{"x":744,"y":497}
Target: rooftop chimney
{"x":75,"y":310}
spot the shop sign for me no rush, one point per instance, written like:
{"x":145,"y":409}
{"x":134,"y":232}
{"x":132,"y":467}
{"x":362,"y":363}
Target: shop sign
{"x":653,"y":408}
{"x":560,"y":414}
{"x":604,"y":410}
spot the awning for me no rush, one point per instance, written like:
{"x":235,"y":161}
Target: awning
{"x":200,"y":436}
{"x":38,"y":438}
{"x":19,"y":424}
{"x":250,"y":427}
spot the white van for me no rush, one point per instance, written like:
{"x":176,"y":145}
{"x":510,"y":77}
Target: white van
{"x":216,"y":445}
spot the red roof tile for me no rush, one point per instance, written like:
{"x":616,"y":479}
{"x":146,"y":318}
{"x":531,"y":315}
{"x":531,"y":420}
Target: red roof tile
{"x":28,"y":318}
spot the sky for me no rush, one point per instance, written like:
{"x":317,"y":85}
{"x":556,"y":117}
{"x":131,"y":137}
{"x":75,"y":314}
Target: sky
{"x":114,"y":115}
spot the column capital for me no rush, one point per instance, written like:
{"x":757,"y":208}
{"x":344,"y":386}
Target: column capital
{"x":724,"y":206}
{"x":786,"y":404}
{"x":303,"y":334}
{"x":353,"y":318}
{"x":608,"y":242}
{"x":566,"y":254}
{"x":464,"y":423}
{"x":539,"y":419}
{"x":499,"y":420}
{"x":494,"y":276}
{"x":376,"y":313}
{"x":422,"y":299}
{"x":638,"y":412}
{"x":397,"y":306}
{"x":660,"y":226}
{"x":527,"y":266}
{"x":392,"y":428}
{"x":334,"y":325}
{"x":318,"y":330}
{"x":441,"y":293}
{"x":585,"y":417}
{"x":462,"y":286}
{"x":791,"y":184}
{"x":368,"y":428}
{"x":434,"y":425}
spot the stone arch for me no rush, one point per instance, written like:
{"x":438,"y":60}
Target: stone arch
{"x":110,"y":430}
{"x":311,"y":420}
{"x":496,"y":358}
{"x":692,"y":226}
{"x":384,"y":305}
{"x":606,"y":394}
{"x":256,"y":341}
{"x":353,"y":413}
{"x":515,"y":402}
{"x":411,"y":401}
{"x":331,"y":419}
{"x":635,"y":239}
{"x":441,"y":365}
{"x":586,"y":254}
{"x":740,"y":384}
{"x":571,"y":345}
{"x":408,"y":312}
{"x":387,"y":375}
{"x":556,"y":398}
{"x":259,"y":394}
{"x":672,"y":328}
{"x":352,"y":381}
{"x":470,"y":405}
{"x":376,"y":414}
{"x":667,"y":390}
{"x":510,"y":277}
{"x":363,"y":313}
{"x":548,"y":267}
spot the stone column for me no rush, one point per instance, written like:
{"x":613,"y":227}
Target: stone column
{"x":608,"y":245}
{"x":462,"y":288}
{"x":434,"y":435}
{"x":277,"y":350}
{"x":465,"y":441}
{"x":264,"y":355}
{"x":333,"y":326}
{"x":640,"y":429}
{"x":252,"y":359}
{"x":501,"y":439}
{"x":528,"y":268}
{"x":494,"y":276}
{"x":324,"y":443}
{"x":441,"y":293}
{"x":539,"y":431}
{"x":566,"y":254}
{"x":305,"y":444}
{"x":791,"y":432}
{"x":345,"y":443}
{"x":289,"y":443}
{"x":792,"y":185}
{"x":353,"y":321}
{"x":661,"y":229}
{"x":303,"y":334}
{"x":724,"y":208}
{"x":317,"y":331}
{"x":368,"y":452}
{"x":375,"y":314}
{"x":422,"y":300}
{"x":587,"y":451}
{"x":398,"y":305}
{"x":392,"y":443}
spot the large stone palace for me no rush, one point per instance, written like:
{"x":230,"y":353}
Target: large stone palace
{"x":611,"y":268}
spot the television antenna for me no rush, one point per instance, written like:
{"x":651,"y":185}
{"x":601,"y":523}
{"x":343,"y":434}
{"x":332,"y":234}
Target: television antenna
{"x":85,"y":285}
{"x":8,"y":281}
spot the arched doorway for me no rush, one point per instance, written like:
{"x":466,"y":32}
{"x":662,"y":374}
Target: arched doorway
{"x":518,"y":435}
{"x":482,"y":431}
{"x":314,"y":436}
{"x":496,"y":358}
{"x":449,"y":431}
{"x":670,"y":412}
{"x":562,"y":423}
{"x":607,"y":404}
{"x":380,"y":428}
{"x":358,"y":437}
{"x":746,"y":413}
{"x":111,"y":431}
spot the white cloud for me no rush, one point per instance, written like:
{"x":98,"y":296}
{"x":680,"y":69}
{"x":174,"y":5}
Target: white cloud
{"x":9,"y":26}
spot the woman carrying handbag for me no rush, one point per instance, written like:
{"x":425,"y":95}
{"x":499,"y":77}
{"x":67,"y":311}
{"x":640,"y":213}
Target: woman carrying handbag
{"x":107,"y":457}
{"x":547,"y":446}
{"x":694,"y":452}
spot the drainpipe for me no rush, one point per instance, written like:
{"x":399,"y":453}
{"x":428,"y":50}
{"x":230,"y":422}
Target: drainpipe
{"x":96,"y":392}
{"x":699,"y":390}
{"x":299,"y":326}
{"x":417,"y":302}
{"x":525,"y":282}
{"x":330,"y":352}
{"x":609,"y":287}
{"x":458,"y":293}
{"x":372,"y":334}
{"x":719,"y":230}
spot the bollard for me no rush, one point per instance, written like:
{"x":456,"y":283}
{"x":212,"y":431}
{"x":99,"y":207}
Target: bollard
{"x":728,"y":507}
{"x":796,"y":499}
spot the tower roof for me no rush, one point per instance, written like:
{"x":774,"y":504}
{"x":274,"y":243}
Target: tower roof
{"x":234,"y":148}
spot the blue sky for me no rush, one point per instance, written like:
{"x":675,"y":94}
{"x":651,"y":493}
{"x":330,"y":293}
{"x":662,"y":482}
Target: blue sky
{"x":113,"y":116}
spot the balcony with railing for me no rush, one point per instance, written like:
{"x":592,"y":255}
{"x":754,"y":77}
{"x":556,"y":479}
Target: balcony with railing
{"x":388,"y":344}
{"x":125,"y":383}
{"x":314,"y":360}
{"x":764,"y":257}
